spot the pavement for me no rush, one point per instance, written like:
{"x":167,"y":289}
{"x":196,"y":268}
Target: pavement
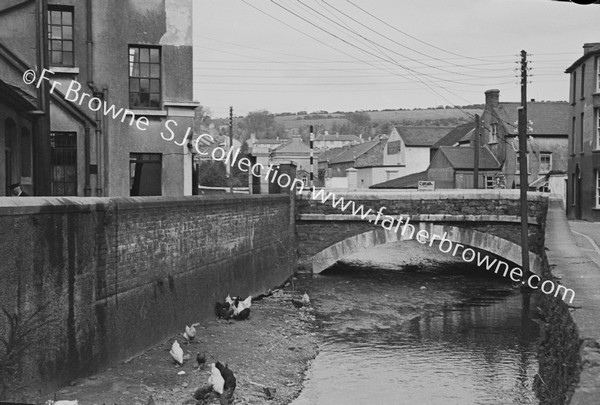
{"x":574,"y":256}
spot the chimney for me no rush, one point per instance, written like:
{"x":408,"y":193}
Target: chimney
{"x":492,"y":98}
{"x":591,"y":47}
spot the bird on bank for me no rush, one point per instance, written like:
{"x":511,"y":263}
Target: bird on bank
{"x":177,"y":353}
{"x":306,"y":299}
{"x":223,"y":310}
{"x":229,"y":385}
{"x":216,"y":380}
{"x":242,"y":315}
{"x":190,"y":332}
{"x":201,"y":359}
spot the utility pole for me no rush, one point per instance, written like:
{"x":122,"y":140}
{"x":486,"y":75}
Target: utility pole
{"x":231,"y":147}
{"x":476,"y":156}
{"x":311,"y":141}
{"x":524,"y":176}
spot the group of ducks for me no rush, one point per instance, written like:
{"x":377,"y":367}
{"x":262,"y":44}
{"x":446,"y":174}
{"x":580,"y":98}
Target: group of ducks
{"x":234,"y":308}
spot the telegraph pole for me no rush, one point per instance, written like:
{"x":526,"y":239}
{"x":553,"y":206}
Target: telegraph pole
{"x":476,"y":157}
{"x":231,"y":147}
{"x":524,"y":176}
{"x":311,"y":141}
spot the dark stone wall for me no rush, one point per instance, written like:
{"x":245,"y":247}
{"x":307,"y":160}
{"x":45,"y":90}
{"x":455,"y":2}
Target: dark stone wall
{"x":100,"y":279}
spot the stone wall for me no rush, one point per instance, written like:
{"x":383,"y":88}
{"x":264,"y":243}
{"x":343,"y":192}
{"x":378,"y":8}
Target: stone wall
{"x":492,"y":212}
{"x":100,"y":279}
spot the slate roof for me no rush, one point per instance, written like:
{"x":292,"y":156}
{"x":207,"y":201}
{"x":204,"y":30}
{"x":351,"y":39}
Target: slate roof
{"x":353,"y":152}
{"x":295,"y":146}
{"x":461,"y":157}
{"x":336,"y":137}
{"x":546,"y":118}
{"x":422,"y":136}
{"x":409,"y":181}
{"x":455,"y":135}
{"x":329,"y":154}
{"x":270,"y":141}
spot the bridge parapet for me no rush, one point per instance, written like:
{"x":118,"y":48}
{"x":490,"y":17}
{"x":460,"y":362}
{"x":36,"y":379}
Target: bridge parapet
{"x":320,"y":225}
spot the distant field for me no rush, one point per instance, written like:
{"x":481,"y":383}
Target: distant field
{"x":297,"y":121}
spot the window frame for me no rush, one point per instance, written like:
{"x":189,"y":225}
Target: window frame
{"x":542,"y":166}
{"x":597,"y":62}
{"x":62,"y":9}
{"x":144,"y":158}
{"x":148,"y":66}
{"x":597,"y":121}
{"x":494,"y":133}
{"x":581,"y":128}
{"x":582,"y":96}
{"x":597,"y":188}
{"x":488,"y":181}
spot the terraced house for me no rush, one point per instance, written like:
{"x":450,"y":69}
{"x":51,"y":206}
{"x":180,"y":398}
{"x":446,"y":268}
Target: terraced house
{"x":583,"y":200}
{"x":133,"y":55}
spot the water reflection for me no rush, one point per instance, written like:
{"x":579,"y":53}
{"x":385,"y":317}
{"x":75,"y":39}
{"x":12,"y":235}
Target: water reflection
{"x":457,"y":337}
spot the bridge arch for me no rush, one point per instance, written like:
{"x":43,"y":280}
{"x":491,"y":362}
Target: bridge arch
{"x":457,"y":235}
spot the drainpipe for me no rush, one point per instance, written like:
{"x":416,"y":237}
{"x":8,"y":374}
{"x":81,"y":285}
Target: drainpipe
{"x":97,"y":93}
{"x":87,"y":190}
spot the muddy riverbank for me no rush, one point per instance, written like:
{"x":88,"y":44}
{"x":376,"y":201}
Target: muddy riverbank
{"x":272,"y":348}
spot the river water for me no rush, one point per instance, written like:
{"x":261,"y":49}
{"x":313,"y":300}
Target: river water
{"x":448,"y":334}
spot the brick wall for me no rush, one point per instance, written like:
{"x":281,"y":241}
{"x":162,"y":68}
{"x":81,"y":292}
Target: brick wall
{"x":101,"y":279}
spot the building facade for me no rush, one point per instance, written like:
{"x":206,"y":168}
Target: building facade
{"x":120,"y":115}
{"x":583,"y":182}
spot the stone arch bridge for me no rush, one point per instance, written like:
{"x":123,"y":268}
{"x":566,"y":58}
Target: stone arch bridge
{"x":484,"y":219}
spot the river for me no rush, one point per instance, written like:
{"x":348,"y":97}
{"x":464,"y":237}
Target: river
{"x":445,"y":334}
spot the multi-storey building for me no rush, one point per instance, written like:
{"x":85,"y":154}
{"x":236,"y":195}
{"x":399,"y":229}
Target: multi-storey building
{"x":583,"y":197}
{"x":115,"y":124}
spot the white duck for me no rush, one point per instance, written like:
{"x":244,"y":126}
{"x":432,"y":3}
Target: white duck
{"x":177,"y":353}
{"x":190,"y":332}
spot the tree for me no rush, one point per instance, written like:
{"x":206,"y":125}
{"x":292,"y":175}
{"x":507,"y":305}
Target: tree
{"x":201,"y":119}
{"x":212,"y":174}
{"x":359,"y":121}
{"x":240,"y":178}
{"x":262,"y":123}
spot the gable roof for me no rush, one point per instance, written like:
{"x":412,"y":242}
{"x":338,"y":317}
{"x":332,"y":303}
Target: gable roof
{"x":270,"y":141}
{"x":295,"y":146}
{"x":455,"y":135}
{"x":422,"y":136}
{"x":550,"y":118}
{"x":409,"y":181}
{"x":350,"y":154}
{"x":461,"y":157}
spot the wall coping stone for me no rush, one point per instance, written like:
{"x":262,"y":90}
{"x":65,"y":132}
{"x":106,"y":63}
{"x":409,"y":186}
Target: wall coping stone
{"x":42,"y":205}
{"x":446,"y":194}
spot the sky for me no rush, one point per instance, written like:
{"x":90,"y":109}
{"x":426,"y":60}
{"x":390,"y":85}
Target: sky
{"x":352,"y":55}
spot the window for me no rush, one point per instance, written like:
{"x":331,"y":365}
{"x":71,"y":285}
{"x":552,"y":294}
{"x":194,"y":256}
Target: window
{"x":582,"y":81}
{"x":545,"y":162}
{"x":598,"y":74}
{"x":63,"y":161}
{"x":573,"y":189}
{"x":60,"y":35}
{"x":572,"y":137}
{"x":145,"y":174}
{"x":597,"y":128}
{"x":581,"y":134}
{"x":494,"y":133}
{"x":574,"y":87}
{"x":488,"y":181}
{"x":597,"y":188}
{"x":144,"y":77}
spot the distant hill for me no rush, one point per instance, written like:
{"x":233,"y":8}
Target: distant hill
{"x":441,"y":117}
